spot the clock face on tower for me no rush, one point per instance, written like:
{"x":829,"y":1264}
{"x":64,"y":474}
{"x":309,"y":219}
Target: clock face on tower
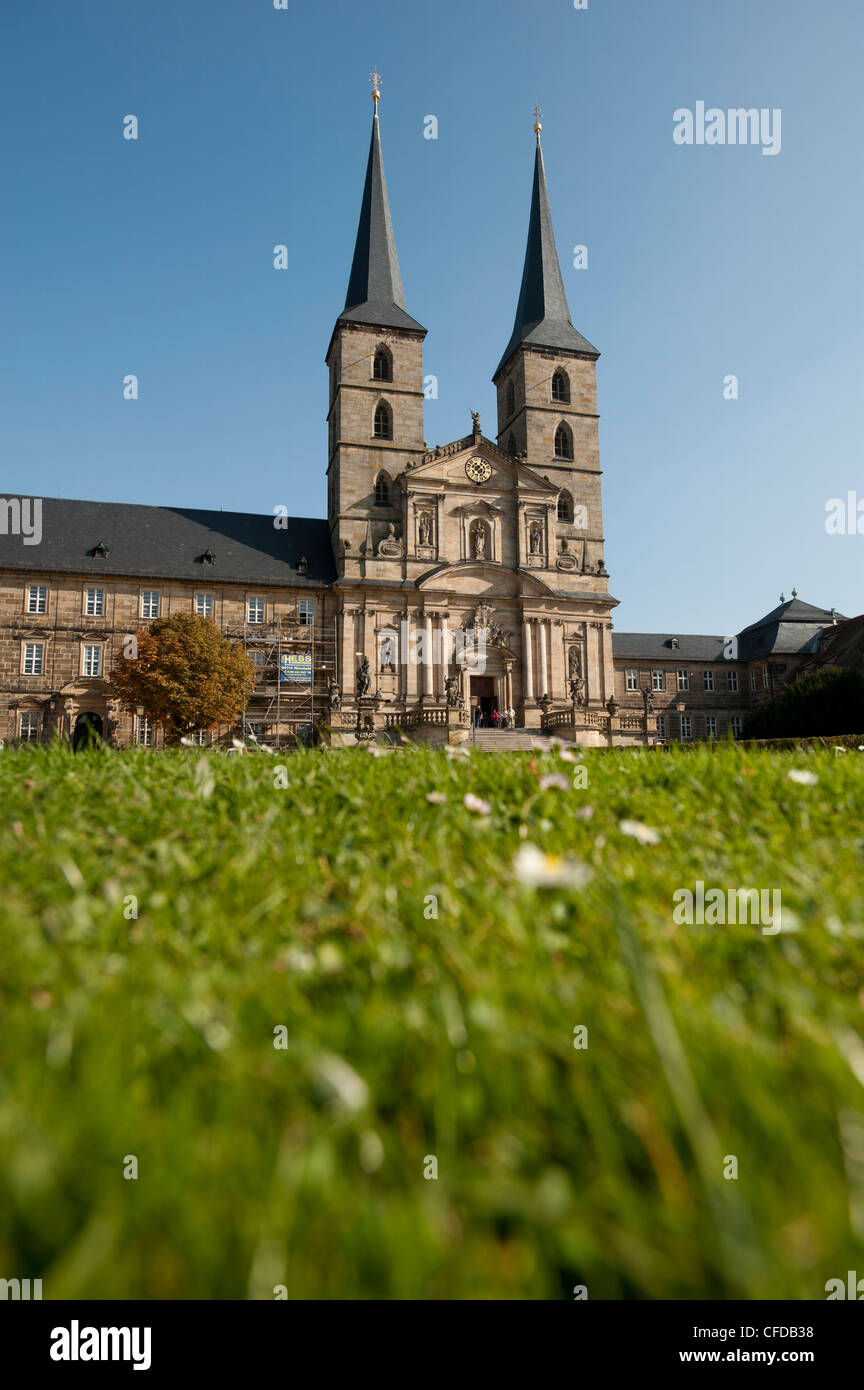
{"x":478,"y":470}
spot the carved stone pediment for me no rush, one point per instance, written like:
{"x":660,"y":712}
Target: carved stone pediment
{"x":479,"y":506}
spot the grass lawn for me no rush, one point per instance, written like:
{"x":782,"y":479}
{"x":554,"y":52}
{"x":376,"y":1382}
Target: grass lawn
{"x":304,"y":915}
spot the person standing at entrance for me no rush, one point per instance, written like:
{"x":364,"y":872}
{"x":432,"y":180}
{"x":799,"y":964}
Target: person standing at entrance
{"x":495,"y":718}
{"x":511,"y":717}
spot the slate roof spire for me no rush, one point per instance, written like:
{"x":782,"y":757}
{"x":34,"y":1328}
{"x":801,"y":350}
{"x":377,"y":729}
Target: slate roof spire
{"x":542,"y":314}
{"x":375,"y":292}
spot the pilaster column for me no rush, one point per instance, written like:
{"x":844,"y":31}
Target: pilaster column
{"x":349,"y":646}
{"x":405,"y":657}
{"x":527,"y":667}
{"x":427,"y":654}
{"x":541,"y":657}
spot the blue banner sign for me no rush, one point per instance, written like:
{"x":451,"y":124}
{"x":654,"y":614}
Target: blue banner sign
{"x":296,"y":666}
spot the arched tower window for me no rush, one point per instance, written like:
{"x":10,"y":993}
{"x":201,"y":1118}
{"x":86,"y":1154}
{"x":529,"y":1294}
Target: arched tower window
{"x":563,"y":442}
{"x":383,"y":421}
{"x":511,"y":445}
{"x":382,"y":490}
{"x":561,"y":387}
{"x":382,"y":364}
{"x":510,"y":401}
{"x":565,"y":506}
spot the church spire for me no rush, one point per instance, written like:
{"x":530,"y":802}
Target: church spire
{"x":542,"y":314}
{"x":375,"y":294}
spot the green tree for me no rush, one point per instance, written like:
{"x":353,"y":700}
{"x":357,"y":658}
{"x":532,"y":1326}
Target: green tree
{"x":828,"y":702}
{"x":186,"y":676}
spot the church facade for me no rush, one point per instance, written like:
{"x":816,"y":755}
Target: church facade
{"x":446,"y":584}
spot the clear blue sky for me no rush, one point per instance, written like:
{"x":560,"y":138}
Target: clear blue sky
{"x":155,"y":257}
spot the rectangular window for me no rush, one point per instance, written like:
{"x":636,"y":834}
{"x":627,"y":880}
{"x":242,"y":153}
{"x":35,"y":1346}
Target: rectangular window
{"x":632,"y":679}
{"x":34,"y":657}
{"x":94,"y":603}
{"x":657,"y":680}
{"x":91,"y":664}
{"x":686,"y":726}
{"x":143,"y":731}
{"x":752,"y":680}
{"x":707,"y":680}
{"x":736,"y":726}
{"x":764,"y":677}
{"x":204,"y":605}
{"x":37,"y":598}
{"x":661,"y":726}
{"x":733,"y":680}
{"x":683,"y":680}
{"x":711,"y":726}
{"x":150,"y":604}
{"x":307,"y":610}
{"x":255,"y":610}
{"x":28,"y":726}
{"x":255,"y":731}
{"x":202,"y":738}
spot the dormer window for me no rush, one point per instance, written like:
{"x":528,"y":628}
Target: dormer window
{"x":100,"y":549}
{"x":673,"y":642}
{"x":208,"y":558}
{"x":302,"y":565}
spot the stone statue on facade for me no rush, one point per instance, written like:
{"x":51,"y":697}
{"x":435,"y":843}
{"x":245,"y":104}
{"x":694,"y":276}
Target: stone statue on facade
{"x":452,"y":692}
{"x":425,"y":528}
{"x":364,"y":678}
{"x":577,"y":690}
{"x":534,"y":539}
{"x":334,"y":695}
{"x":479,"y":538}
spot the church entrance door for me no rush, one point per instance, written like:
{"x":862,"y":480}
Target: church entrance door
{"x":482,"y":698}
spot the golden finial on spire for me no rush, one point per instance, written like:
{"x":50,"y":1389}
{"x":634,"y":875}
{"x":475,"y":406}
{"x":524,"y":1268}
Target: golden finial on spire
{"x":537,"y":126}
{"x":375,"y":78}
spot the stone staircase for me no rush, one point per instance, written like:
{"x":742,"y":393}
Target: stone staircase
{"x":504,"y":740}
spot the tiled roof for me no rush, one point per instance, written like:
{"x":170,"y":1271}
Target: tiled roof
{"x":170,"y":543}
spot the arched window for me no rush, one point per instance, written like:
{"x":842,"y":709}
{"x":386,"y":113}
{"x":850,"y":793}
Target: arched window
{"x":511,"y":445}
{"x":561,"y":386}
{"x":565,"y":506}
{"x":563,"y":442}
{"x":382,"y":490}
{"x":383,"y":421}
{"x":382,"y":364}
{"x":510,"y":401}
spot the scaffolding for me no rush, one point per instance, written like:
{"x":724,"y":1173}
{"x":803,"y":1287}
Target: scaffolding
{"x":280,"y":712}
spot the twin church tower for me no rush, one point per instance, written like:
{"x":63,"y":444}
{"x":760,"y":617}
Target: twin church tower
{"x":503,"y":535}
